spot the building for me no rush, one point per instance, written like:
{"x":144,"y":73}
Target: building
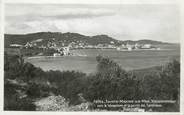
{"x":28,"y":45}
{"x":15,"y":45}
{"x":138,"y":46}
{"x":147,"y":46}
{"x":130,"y":47}
{"x":66,"y":50}
{"x":56,"y":54}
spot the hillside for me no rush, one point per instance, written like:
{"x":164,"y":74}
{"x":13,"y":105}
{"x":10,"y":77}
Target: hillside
{"x":68,"y":37}
{"x":60,"y":37}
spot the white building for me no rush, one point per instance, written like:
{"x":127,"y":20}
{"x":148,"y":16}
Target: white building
{"x":112,"y":42}
{"x":56,"y":54}
{"x":15,"y":45}
{"x":130,"y":47}
{"x":137,"y":46}
{"x":146,"y":46}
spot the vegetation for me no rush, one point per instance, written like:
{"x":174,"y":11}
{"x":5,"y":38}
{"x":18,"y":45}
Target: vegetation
{"x":65,"y":37}
{"x":37,"y":51}
{"x":25,"y":83}
{"x":68,"y":37}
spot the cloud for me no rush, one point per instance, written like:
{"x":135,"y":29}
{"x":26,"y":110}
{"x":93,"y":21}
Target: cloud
{"x":39,"y":12}
{"x":124,"y":22}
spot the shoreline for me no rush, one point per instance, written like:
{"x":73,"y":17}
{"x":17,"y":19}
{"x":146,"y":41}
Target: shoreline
{"x":38,"y":57}
{"x":80,"y":55}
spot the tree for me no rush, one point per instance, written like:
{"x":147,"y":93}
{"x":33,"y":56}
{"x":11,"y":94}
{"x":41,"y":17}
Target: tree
{"x":110,"y":82}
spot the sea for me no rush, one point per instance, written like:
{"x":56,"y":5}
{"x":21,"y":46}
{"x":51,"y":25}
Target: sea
{"x":84,"y":60}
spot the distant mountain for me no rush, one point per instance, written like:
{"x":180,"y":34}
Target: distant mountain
{"x":68,"y":37}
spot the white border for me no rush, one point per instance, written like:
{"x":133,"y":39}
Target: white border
{"x":1,"y":54}
{"x":182,"y":57}
{"x":180,"y":2}
{"x":94,"y":1}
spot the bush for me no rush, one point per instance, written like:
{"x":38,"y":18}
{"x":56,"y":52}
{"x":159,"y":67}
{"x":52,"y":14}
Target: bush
{"x":12,"y":100}
{"x":69,"y":84}
{"x":110,"y":82}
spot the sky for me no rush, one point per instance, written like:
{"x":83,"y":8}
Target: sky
{"x":122,"y":22}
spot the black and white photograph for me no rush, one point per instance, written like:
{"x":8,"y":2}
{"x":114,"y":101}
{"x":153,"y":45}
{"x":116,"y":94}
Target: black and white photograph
{"x":91,"y":57}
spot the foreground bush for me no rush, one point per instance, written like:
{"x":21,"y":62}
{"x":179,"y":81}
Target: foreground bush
{"x":13,"y":99}
{"x":110,"y":82}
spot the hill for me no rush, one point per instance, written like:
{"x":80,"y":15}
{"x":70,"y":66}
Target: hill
{"x":44,"y":37}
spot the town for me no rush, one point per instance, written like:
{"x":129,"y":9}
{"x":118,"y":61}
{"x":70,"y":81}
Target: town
{"x":63,"y":47}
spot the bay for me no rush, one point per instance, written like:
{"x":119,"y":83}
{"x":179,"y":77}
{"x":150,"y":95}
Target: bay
{"x":85,"y":59}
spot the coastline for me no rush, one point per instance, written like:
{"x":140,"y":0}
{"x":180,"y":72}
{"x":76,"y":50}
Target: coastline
{"x":80,"y":55}
{"x":38,"y":57}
